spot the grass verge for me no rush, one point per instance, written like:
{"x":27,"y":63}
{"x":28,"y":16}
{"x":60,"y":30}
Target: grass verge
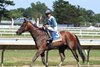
{"x":23,"y":57}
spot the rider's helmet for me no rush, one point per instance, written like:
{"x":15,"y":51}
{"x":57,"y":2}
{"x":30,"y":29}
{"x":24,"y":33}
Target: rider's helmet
{"x":48,"y":11}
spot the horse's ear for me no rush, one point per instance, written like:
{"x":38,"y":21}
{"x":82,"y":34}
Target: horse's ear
{"x":25,"y":19}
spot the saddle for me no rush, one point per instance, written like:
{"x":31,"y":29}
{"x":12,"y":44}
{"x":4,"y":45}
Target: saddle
{"x":52,"y":36}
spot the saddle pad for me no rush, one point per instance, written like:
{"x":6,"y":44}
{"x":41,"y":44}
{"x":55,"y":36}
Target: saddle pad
{"x":60,"y":39}
{"x":56,"y":36}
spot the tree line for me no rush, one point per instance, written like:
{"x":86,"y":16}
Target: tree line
{"x":64,"y":12}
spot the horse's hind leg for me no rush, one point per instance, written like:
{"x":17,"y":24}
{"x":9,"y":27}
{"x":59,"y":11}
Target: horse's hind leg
{"x":76,"y":57}
{"x":62,"y":55}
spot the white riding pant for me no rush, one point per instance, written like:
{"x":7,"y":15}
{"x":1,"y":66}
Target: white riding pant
{"x":52,"y":29}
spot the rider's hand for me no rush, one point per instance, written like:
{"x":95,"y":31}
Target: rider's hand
{"x":46,"y":26}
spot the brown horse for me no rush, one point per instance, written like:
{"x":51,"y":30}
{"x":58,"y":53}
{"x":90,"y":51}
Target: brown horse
{"x":68,"y":40}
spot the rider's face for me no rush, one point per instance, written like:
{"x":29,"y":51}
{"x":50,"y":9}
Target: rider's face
{"x":48,"y":15}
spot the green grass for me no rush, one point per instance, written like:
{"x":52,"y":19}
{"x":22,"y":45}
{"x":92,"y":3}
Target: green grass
{"x":23,"y":57}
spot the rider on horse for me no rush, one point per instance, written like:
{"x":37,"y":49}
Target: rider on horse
{"x":51,"y":24}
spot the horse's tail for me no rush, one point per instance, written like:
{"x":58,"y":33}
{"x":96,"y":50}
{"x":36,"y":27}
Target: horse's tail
{"x":80,"y":50}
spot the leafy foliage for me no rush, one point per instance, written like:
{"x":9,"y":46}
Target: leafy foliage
{"x":62,"y":10}
{"x":67,"y":13}
{"x":5,"y":3}
{"x":16,"y":13}
{"x":36,"y":10}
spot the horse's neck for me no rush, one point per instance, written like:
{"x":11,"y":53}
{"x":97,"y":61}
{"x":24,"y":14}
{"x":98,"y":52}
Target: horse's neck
{"x":35,"y":32}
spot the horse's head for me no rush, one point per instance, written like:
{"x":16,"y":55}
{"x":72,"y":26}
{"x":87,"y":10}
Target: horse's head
{"x":23,"y":28}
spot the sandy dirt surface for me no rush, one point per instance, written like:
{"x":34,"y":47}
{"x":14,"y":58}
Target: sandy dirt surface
{"x":56,"y":66}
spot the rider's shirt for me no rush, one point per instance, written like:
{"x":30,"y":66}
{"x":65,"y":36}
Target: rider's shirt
{"x":53,"y":27}
{"x":52,"y":22}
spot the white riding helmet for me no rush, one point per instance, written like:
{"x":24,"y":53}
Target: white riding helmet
{"x":48,"y":11}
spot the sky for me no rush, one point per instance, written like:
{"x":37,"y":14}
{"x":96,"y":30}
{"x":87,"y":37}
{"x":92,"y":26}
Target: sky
{"x":87,"y":4}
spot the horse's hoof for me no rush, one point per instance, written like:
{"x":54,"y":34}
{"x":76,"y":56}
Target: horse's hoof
{"x":30,"y":65}
{"x":58,"y":66}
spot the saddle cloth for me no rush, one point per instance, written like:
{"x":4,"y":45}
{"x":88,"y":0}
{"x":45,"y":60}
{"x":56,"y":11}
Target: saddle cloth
{"x":56,"y":36}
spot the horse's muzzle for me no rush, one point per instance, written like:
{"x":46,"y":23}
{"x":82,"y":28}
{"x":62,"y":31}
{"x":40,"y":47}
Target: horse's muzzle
{"x":18,"y":33}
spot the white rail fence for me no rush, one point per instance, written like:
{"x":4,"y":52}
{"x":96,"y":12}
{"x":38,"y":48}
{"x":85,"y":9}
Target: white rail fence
{"x":79,"y":31}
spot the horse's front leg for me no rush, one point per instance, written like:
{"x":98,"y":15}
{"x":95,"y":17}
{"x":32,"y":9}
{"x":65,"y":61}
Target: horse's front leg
{"x":43,"y":58}
{"x":36,"y":56}
{"x":45,"y":62}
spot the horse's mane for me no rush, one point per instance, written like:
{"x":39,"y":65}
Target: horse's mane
{"x":36,"y":26}
{"x":28,"y":20}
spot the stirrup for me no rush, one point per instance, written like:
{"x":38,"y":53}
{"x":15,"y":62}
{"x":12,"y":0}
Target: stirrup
{"x":49,"y":46}
{"x":49,"y":40}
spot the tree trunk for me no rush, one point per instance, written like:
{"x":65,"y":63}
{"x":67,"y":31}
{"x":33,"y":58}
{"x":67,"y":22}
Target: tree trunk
{"x":0,"y":18}
{"x":1,"y":15}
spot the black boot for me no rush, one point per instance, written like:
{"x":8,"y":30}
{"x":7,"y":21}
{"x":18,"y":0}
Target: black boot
{"x":49,"y":37}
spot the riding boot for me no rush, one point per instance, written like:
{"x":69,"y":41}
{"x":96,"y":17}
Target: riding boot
{"x":49,"y":40}
{"x":49,"y":36}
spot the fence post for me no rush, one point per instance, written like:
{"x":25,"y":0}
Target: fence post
{"x":2,"y":57}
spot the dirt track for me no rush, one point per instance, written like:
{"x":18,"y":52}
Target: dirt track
{"x":71,"y":66}
{"x":68,"y":66}
{"x":56,"y":66}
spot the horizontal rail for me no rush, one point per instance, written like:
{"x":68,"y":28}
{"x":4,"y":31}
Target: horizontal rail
{"x":79,"y":31}
{"x":31,"y":47}
{"x":82,"y":34}
{"x":23,"y":43}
